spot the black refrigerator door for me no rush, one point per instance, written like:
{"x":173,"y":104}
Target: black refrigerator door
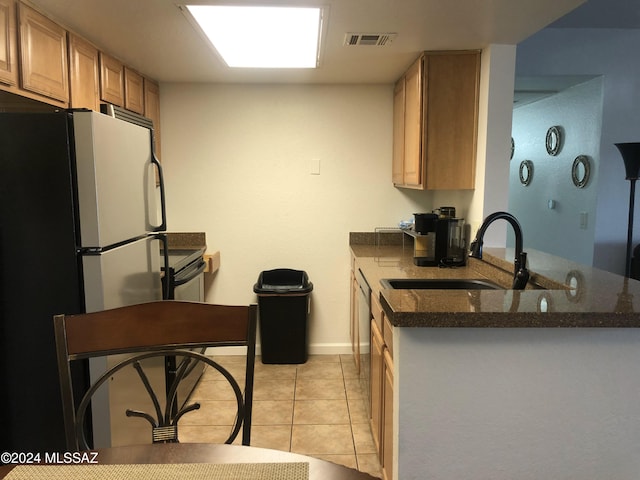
{"x":39,"y":276}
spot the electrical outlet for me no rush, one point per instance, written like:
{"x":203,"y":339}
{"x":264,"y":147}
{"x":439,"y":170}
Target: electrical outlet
{"x":314,"y":166}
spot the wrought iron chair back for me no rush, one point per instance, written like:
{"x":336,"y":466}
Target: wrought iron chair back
{"x":155,"y":329}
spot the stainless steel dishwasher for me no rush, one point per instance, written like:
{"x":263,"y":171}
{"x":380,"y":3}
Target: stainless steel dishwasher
{"x":364,"y":336}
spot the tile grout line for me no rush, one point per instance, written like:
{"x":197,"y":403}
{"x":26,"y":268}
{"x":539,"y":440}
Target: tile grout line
{"x":293,"y":409}
{"x":353,"y":408}
{"x":346,"y":397}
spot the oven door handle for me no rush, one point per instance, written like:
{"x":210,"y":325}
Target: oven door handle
{"x":190,"y":274}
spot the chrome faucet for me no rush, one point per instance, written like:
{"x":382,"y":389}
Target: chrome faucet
{"x":520,"y":272}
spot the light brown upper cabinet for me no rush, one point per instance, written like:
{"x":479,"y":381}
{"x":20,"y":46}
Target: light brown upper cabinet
{"x":435,"y":122}
{"x":152,"y":110}
{"x":111,"y":80}
{"x":133,"y":91}
{"x":8,"y":42}
{"x":412,"y":163}
{"x":84,"y":74}
{"x":398,"y":132}
{"x":43,"y":55}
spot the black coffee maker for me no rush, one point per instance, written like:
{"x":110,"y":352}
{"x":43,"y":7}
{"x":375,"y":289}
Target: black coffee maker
{"x":439,"y":239}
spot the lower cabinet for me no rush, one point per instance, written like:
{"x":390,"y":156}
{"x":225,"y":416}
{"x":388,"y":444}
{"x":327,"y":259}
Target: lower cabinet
{"x":377,"y":378}
{"x":382,"y":387}
{"x":387,"y":417}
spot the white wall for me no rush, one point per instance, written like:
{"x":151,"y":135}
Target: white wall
{"x":494,"y":127}
{"x":517,"y":403}
{"x":237,"y":166}
{"x":237,"y":162}
{"x":611,"y":53}
{"x":558,"y":230}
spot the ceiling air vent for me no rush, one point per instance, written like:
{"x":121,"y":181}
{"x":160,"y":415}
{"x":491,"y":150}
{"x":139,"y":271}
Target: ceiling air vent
{"x":374,"y":39}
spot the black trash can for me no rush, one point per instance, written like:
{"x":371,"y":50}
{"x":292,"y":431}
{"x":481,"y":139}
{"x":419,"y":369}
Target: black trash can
{"x":283,"y":306}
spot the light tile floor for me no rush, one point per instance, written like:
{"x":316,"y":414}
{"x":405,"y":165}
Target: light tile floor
{"x":315,"y":409}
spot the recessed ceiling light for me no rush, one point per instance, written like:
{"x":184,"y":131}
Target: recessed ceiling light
{"x":262,"y":37}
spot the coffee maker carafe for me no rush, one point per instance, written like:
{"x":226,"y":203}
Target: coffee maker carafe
{"x":439,"y":239}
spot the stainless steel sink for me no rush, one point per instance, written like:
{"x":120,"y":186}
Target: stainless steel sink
{"x":438,"y":284}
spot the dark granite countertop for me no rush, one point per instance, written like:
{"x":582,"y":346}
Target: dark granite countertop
{"x":561,"y":293}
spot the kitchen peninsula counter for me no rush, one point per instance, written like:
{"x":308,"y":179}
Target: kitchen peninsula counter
{"x":560,"y":293}
{"x":536,"y":401}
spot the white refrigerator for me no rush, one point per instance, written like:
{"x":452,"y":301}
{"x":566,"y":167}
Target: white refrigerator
{"x":80,"y":231}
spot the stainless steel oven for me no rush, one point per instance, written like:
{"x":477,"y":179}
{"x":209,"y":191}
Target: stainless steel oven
{"x":185,"y":282}
{"x":186,"y":275}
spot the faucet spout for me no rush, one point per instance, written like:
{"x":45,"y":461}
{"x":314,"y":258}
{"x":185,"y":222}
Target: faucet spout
{"x":520,"y":267}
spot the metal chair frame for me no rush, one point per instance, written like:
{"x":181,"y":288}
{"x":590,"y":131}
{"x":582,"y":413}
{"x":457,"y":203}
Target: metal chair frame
{"x":179,"y":327}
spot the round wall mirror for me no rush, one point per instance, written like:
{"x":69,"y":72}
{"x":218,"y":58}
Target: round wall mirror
{"x":580,"y":171}
{"x":575,"y":282}
{"x":554,"y":140}
{"x":526,"y":172}
{"x":544,"y":303}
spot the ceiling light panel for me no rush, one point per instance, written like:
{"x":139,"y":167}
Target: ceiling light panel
{"x":262,"y":37}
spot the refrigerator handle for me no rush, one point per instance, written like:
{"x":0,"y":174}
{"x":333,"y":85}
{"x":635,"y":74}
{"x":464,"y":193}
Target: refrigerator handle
{"x":165,"y":254}
{"x":163,"y":206}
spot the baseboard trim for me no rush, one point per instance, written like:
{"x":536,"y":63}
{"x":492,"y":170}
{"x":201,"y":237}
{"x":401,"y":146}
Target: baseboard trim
{"x":316,"y":349}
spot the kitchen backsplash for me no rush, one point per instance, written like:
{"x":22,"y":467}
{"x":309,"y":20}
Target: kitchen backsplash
{"x":379,"y":238}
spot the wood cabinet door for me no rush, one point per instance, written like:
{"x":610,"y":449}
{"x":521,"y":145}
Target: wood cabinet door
{"x":84,"y":77}
{"x":377,"y":361}
{"x":43,"y":53}
{"x":8,"y":42}
{"x":133,"y":91}
{"x":387,"y":333}
{"x":152,"y":111}
{"x":413,"y":126}
{"x":452,"y":119}
{"x":387,"y":415}
{"x":111,"y":80}
{"x":397,"y":173}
